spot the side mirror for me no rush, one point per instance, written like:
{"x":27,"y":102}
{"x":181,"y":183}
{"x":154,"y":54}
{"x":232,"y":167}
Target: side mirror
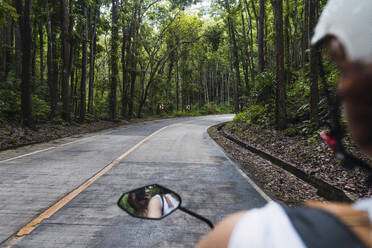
{"x":150,"y":202}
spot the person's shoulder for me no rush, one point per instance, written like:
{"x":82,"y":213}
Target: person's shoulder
{"x":155,"y":200}
{"x":268,"y":226}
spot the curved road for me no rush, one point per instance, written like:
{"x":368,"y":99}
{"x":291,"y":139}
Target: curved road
{"x":180,"y":156}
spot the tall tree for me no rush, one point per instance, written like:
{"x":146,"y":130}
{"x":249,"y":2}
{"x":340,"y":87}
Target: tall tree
{"x":280,"y":108}
{"x":234,"y":46}
{"x":246,"y":55}
{"x":305,"y":33}
{"x":83,"y":90}
{"x":6,"y":34}
{"x":52,"y":63}
{"x":251,"y":61}
{"x":114,"y":59}
{"x":65,"y":37}
{"x":18,"y":47}
{"x":26,"y":38}
{"x":134,"y":29}
{"x":314,"y":53}
{"x":41,"y":45}
{"x":125,"y":56}
{"x":261,"y":35}
{"x":94,"y":15}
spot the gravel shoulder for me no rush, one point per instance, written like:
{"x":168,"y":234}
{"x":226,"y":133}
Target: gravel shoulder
{"x":310,"y":154}
{"x":14,"y":136}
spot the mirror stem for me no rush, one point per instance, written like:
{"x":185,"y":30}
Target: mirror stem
{"x":197,"y":216}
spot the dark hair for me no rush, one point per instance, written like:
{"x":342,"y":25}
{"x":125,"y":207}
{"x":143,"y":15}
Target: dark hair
{"x":138,"y":201}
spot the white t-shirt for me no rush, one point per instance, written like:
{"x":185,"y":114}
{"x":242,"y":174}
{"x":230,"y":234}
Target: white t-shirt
{"x":270,"y":227}
{"x":168,"y":208}
{"x":265,"y":227}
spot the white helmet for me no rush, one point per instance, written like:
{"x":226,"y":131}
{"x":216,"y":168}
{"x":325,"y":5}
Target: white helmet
{"x":350,"y":21}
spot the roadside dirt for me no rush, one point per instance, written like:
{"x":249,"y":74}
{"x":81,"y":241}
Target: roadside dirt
{"x":13,"y":136}
{"x":278,"y":183}
{"x":309,"y":154}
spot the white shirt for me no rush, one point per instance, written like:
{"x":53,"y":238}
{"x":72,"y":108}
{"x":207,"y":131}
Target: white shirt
{"x":168,"y":208}
{"x":265,"y":227}
{"x":270,"y":227}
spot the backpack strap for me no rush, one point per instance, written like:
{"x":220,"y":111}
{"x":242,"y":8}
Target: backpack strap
{"x":319,"y":228}
{"x":169,"y":202}
{"x":162,"y":205}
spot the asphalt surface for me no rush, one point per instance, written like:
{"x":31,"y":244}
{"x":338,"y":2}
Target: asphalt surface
{"x":181,"y":157}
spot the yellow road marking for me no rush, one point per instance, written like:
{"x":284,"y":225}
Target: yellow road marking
{"x":27,"y":229}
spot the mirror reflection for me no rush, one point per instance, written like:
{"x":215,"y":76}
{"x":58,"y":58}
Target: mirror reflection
{"x":152,"y":202}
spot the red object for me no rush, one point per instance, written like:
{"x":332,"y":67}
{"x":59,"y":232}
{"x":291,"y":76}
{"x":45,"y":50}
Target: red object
{"x":329,"y":139}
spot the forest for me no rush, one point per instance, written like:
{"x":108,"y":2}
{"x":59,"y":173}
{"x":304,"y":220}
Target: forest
{"x":72,"y":60}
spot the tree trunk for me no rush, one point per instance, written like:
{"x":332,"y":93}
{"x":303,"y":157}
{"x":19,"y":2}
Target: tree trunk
{"x":251,"y":46}
{"x":6,"y":50}
{"x":75,"y":95}
{"x":72,"y":85}
{"x":314,"y":91}
{"x":4,"y":44}
{"x":26,"y":83}
{"x":231,"y":79}
{"x":135,"y":28}
{"x":41,"y":41}
{"x":305,"y":34}
{"x":279,"y":64}
{"x":33,"y":47}
{"x":92,"y":55}
{"x":125,"y":54}
{"x":246,"y":57}
{"x":261,"y":25}
{"x":177,"y":87}
{"x":52,"y":80}
{"x":114,"y":59}
{"x":169,"y":78}
{"x":18,"y":51}
{"x":71,"y":57}
{"x":236,"y":57}
{"x":287,"y":45}
{"x":66,"y":111}
{"x":83,"y":86}
{"x":295,"y":46}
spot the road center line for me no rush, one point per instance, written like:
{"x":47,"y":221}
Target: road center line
{"x":27,"y":229}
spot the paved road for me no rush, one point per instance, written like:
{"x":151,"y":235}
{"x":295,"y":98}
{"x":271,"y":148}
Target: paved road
{"x":181,"y":157}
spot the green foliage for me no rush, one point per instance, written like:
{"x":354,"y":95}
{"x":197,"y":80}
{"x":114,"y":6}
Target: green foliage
{"x":213,"y":108}
{"x":101,"y":105}
{"x":10,"y":99}
{"x":171,"y":46}
{"x":290,"y":132}
{"x":41,"y":109}
{"x":124,"y":203}
{"x":264,"y":87}
{"x":207,"y":109}
{"x":7,"y":9}
{"x":213,"y":35}
{"x":255,"y":114}
{"x":315,"y":136}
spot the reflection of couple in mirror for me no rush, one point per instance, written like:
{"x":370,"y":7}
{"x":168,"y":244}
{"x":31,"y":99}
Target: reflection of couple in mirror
{"x":157,"y":206}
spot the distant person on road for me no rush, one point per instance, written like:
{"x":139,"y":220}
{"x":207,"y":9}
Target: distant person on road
{"x":346,"y":27}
